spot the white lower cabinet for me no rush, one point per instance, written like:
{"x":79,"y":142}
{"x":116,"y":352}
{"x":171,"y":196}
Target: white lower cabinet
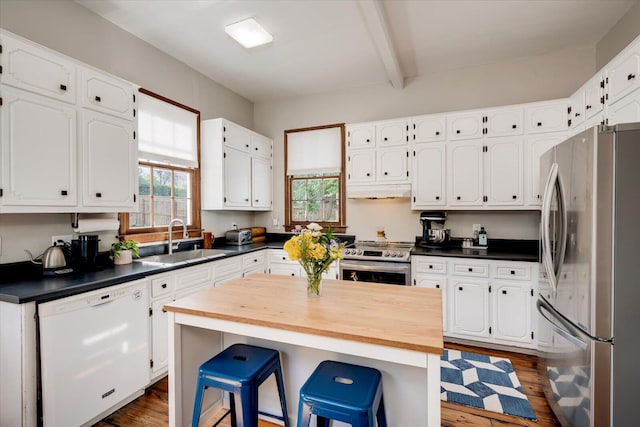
{"x":254,"y":262}
{"x":279,"y":263}
{"x":483,"y":300}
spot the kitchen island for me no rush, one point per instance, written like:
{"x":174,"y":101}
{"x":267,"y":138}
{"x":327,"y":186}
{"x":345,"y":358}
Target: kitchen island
{"x":396,"y":329}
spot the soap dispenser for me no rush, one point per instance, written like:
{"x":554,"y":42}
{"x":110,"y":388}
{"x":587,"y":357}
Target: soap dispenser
{"x":482,"y":237}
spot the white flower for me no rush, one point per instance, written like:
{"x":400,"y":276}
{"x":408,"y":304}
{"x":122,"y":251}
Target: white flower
{"x":315,"y":228}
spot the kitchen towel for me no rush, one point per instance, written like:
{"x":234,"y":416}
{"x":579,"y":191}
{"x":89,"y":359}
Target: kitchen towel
{"x":96,"y":224}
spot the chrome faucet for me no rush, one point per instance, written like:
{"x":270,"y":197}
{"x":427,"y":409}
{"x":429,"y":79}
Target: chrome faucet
{"x":184,"y":233}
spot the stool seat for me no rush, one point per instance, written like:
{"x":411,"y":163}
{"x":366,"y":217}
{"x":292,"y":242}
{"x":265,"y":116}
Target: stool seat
{"x":240,"y":369}
{"x":342,"y":392}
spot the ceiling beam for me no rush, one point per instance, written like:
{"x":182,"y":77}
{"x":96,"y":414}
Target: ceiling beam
{"x":374,"y":17}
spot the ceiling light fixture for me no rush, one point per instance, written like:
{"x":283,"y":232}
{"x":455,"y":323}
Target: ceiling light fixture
{"x":248,"y":33}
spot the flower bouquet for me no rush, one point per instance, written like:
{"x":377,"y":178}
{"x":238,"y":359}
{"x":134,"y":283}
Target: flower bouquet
{"x":315,"y":251}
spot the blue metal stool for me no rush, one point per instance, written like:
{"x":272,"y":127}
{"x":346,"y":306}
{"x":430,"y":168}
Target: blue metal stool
{"x":240,"y":369}
{"x":342,"y":392}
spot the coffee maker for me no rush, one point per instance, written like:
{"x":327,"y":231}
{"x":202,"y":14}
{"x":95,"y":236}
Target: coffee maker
{"x":434,"y":235}
{"x":84,"y":253}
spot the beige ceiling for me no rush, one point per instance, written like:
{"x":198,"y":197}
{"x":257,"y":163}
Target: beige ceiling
{"x":328,"y":45}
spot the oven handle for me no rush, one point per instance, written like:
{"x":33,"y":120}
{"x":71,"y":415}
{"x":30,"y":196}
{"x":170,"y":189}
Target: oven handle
{"x":381,"y":267}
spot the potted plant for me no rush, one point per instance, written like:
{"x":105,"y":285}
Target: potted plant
{"x":123,"y":251}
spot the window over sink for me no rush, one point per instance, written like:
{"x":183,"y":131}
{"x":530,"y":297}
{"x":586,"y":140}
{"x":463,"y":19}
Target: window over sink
{"x":168,"y":172}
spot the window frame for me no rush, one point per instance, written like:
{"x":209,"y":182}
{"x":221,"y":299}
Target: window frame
{"x":159,"y":234}
{"x":341,"y":225}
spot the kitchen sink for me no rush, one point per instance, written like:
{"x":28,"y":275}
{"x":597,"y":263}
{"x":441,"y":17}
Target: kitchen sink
{"x":184,"y":257}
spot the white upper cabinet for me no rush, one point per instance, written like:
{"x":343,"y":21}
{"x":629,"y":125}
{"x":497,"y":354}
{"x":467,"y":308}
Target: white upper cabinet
{"x":626,"y":110}
{"x":594,"y":96}
{"x":464,"y":173}
{"x":575,"y":110}
{"x":37,"y":70}
{"x":535,"y":147}
{"x":504,"y":172}
{"x":550,"y":116}
{"x":361,"y":136}
{"x":361,"y":167}
{"x":504,"y":122}
{"x":392,"y":165}
{"x":106,"y":94}
{"x":392,"y":132}
{"x":38,"y":161}
{"x":428,"y":181}
{"x":623,"y":73}
{"x":468,"y":125}
{"x":237,"y":167}
{"x":428,"y":128}
{"x":108,"y":146}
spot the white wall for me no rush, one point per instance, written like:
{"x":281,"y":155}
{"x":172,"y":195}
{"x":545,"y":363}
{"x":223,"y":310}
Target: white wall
{"x":625,"y":30}
{"x":69,"y":28}
{"x":529,"y":79}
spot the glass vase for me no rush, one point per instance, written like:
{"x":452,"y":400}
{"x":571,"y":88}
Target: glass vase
{"x":314,"y":285}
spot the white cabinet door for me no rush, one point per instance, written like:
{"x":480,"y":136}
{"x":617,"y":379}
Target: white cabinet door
{"x":392,"y":165}
{"x":235,"y":136}
{"x":625,"y":110}
{"x":429,"y":128}
{"x":261,"y":146}
{"x":361,"y":136}
{"x":286,"y":269}
{"x":469,"y":307}
{"x":504,"y":173}
{"x":536,"y":146}
{"x":109,"y":160}
{"x":237,"y":179}
{"x":624,"y":73}
{"x":106,"y":94}
{"x":261,"y":186}
{"x":393,"y":132}
{"x":511,"y":312}
{"x":464,"y":173}
{"x":361,"y":167}
{"x":575,"y":110}
{"x":465,"y":125}
{"x":504,"y":122}
{"x":594,"y":96}
{"x":37,"y":70}
{"x":428,"y":181}
{"x":435,"y":282}
{"x":546,"y":117}
{"x":160,"y":335}
{"x":38,"y":162}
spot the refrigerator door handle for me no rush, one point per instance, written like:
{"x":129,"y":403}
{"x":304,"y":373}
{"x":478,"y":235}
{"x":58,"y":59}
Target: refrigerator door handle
{"x":547,"y":259}
{"x":541,"y":305}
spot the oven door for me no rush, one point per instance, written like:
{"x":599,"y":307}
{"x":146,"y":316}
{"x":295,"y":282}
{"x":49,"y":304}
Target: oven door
{"x":392,"y":273}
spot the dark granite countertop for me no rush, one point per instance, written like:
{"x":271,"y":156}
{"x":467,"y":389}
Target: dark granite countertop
{"x":499,"y":249}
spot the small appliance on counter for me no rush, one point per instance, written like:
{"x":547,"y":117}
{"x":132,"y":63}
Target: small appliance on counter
{"x":434,"y":235}
{"x":54,"y":260}
{"x":84,"y":253}
{"x":238,"y":237}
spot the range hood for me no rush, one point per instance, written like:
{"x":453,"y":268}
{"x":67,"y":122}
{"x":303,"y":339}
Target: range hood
{"x":379,"y":192}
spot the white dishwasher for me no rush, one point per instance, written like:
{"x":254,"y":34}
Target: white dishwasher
{"x":94,"y":352}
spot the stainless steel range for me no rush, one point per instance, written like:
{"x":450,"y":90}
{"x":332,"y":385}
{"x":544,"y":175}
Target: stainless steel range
{"x":379,"y":262}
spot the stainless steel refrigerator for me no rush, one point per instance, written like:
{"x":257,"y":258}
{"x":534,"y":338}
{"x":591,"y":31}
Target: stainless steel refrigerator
{"x":589,"y":300}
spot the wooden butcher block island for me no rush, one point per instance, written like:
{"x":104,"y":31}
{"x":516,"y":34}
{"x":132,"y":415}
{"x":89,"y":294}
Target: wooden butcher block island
{"x":396,"y":329}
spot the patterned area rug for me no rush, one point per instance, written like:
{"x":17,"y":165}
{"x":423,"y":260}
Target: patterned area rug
{"x":483,"y":382}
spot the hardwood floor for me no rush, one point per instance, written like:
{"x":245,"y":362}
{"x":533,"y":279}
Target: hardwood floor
{"x":151,"y":410}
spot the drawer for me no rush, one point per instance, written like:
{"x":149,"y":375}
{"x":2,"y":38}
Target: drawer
{"x":253,"y":260}
{"x":431,"y":265}
{"x":161,"y":285}
{"x":472,"y":269}
{"x":193,"y":276}
{"x":228,"y":268}
{"x":286,"y":269}
{"x":512,"y":271}
{"x":278,"y":255}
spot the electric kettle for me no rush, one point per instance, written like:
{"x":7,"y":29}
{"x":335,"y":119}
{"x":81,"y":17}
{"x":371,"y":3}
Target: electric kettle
{"x":53,"y":260}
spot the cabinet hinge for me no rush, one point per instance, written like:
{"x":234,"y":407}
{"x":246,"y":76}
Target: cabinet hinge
{"x":414,"y":199}
{"x":485,"y":148}
{"x":569,"y":109}
{"x":407,"y":138}
{"x":348,"y":158}
{"x":602,"y":84}
{"x":225,"y":200}
{"x":348,"y":176}
{"x":0,"y":101}
{"x":484,"y":119}
{"x":531,"y":292}
{"x":485,"y":198}
{"x":407,"y":174}
{"x":134,"y":112}
{"x":224,"y":155}
{"x":414,"y":282}
{"x":1,"y":192}
{"x":151,"y":363}
{"x":134,"y":197}
{"x":569,"y":123}
{"x":489,"y":288}
{"x":489,"y":330}
{"x":407,"y":154}
{"x":414,"y":153}
{"x":531,"y":334}
{"x":134,"y":97}
{"x":0,"y":48}
{"x":150,"y":311}
{"x":0,"y":69}
{"x":134,"y":135}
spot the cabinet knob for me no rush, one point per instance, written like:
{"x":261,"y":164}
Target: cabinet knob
{"x":246,"y":200}
{"x":386,"y":173}
{"x":437,"y":197}
{"x":504,"y":292}
{"x":437,"y":133}
{"x":256,"y":148}
{"x":255,"y":260}
{"x":470,"y":269}
{"x":458,"y":131}
{"x":514,"y":197}
{"x":539,"y":123}
{"x":257,"y":200}
{"x":437,"y":286}
{"x":246,"y":145}
{"x":293,"y":274}
{"x":513,"y":272}
{"x":284,"y":258}
{"x":164,"y":311}
{"x":459,"y":288}
{"x":588,"y":107}
{"x":430,"y":266}
{"x":63,"y":87}
{"x":63,"y":192}
{"x":368,"y":140}
{"x":164,"y":286}
{"x":458,"y":198}
{"x":538,"y":196}
{"x":631,"y":76}
{"x":98,"y":195}
{"x":98,"y":99}
{"x":368,"y":174}
{"x":386,"y":139}
{"x":514,"y":126}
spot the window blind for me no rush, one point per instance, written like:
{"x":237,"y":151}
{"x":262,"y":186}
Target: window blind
{"x":314,"y":151}
{"x":167,"y":133}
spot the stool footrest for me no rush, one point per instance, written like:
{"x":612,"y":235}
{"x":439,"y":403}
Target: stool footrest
{"x":222,"y":418}
{"x":266,"y":414}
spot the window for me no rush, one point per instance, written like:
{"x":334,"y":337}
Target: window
{"x":168,"y":174}
{"x":314,"y":178}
